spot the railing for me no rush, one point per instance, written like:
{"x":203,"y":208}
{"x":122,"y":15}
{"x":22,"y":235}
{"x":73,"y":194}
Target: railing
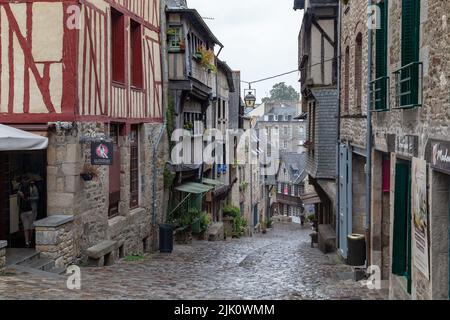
{"x":379,"y":94}
{"x":409,"y":86}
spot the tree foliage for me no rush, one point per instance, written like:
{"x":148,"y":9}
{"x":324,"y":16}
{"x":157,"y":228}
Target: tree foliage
{"x":282,"y":92}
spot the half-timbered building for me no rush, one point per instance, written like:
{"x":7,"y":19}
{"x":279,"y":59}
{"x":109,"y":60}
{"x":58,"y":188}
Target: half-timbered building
{"x":199,"y":88}
{"x":85,"y":74}
{"x":318,"y":49}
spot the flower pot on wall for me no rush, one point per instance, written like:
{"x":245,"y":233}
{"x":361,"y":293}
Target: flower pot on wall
{"x":87,"y":176}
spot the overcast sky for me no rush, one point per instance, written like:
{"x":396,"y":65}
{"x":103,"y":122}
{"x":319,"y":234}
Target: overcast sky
{"x":259,"y":38}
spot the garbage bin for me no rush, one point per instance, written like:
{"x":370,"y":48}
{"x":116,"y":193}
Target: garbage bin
{"x":356,"y":255}
{"x":165,"y":238}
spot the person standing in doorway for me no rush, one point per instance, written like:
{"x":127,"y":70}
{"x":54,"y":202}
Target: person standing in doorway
{"x":28,"y":197}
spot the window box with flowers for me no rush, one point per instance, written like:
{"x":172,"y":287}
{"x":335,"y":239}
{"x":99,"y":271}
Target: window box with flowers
{"x":206,"y":58}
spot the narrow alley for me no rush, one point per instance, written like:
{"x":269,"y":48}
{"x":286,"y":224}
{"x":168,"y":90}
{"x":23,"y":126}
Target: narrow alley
{"x":279,"y":265}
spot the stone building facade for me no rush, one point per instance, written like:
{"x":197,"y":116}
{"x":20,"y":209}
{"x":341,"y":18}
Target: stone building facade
{"x":353,"y":120}
{"x":318,"y":54}
{"x":87,"y":95}
{"x":411,"y":143}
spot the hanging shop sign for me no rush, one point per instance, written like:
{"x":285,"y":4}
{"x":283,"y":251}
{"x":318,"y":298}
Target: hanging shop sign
{"x":419,"y":205}
{"x":407,"y":146}
{"x":438,"y":155}
{"x":101,"y":153}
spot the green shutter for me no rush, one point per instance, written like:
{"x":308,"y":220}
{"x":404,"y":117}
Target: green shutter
{"x":381,"y":58}
{"x":410,"y":49}
{"x":399,"y":252}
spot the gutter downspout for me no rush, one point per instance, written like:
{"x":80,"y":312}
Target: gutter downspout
{"x":163,"y":128}
{"x":338,"y":145}
{"x":369,"y":138}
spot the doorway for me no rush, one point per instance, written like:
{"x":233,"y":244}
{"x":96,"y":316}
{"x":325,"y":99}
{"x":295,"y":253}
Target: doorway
{"x":401,"y":251}
{"x":15,"y":168}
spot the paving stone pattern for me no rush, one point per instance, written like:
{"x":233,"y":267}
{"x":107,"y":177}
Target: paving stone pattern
{"x":278,"y":265}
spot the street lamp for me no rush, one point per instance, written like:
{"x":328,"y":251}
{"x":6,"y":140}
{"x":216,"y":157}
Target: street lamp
{"x":250,"y":98}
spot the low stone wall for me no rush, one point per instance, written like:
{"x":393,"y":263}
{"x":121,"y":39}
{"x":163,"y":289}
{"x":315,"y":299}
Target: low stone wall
{"x":3,"y":245}
{"x":55,"y":239}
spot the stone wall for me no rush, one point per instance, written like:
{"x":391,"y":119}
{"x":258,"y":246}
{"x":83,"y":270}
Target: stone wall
{"x":3,"y":245}
{"x":88,"y":201}
{"x":358,"y":195}
{"x":55,"y":239}
{"x":430,"y":121}
{"x":353,"y":117}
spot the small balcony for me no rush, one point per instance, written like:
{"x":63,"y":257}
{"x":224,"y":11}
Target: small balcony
{"x":379,"y":94}
{"x":409,"y":86}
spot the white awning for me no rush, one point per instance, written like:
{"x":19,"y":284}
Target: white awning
{"x":12,"y":139}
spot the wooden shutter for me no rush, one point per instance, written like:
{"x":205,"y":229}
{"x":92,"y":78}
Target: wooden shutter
{"x":381,"y":58}
{"x":410,"y":49}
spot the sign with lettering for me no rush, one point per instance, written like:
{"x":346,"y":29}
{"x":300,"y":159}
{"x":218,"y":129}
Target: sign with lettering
{"x":440,"y":156}
{"x":407,"y":146}
{"x":102,"y":153}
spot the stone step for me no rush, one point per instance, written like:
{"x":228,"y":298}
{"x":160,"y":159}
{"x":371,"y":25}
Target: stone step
{"x":22,"y":256}
{"x":43,"y":264}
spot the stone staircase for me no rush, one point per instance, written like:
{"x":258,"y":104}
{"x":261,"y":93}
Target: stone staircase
{"x":34,"y":263}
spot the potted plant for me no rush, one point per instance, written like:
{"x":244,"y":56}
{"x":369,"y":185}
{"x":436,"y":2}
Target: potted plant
{"x":264,"y":227}
{"x":188,"y":126}
{"x":205,"y":57}
{"x":89,"y":172}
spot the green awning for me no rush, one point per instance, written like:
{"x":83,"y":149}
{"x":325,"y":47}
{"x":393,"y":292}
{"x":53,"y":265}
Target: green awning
{"x":194,"y":187}
{"x":211,"y":182}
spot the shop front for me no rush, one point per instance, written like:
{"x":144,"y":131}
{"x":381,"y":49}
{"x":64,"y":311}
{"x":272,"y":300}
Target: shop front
{"x":23,"y":164}
{"x":438,"y":156}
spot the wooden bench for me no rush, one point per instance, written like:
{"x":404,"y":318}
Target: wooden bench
{"x":102,"y":254}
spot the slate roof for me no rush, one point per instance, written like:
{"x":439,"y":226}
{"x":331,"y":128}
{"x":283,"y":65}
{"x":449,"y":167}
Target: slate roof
{"x":295,"y":161}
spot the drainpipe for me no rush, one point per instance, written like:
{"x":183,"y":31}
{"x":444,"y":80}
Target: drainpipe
{"x":165,"y":75}
{"x":369,"y":140}
{"x":338,"y":160}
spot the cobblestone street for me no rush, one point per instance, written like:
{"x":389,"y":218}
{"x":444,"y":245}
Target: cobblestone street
{"x":278,"y":265}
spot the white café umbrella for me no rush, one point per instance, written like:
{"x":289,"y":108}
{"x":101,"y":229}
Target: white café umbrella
{"x":12,"y":139}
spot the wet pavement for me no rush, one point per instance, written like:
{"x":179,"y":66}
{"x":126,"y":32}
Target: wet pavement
{"x":278,"y":265}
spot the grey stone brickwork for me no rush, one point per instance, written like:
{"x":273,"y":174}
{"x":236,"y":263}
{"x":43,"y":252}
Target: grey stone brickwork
{"x":430,"y":121}
{"x":353,"y":117}
{"x":88,"y":201}
{"x":55,"y":239}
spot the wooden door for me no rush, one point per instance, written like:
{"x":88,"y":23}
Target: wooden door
{"x":4,"y":197}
